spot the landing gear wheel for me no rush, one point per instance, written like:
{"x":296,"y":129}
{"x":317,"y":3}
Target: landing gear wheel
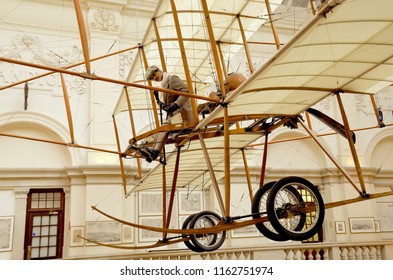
{"x":189,"y":244}
{"x":207,"y":241}
{"x":258,"y":207}
{"x":287,"y":209}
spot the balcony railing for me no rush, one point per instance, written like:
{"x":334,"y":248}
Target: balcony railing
{"x":312,"y":251}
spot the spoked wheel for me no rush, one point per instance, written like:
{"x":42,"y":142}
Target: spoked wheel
{"x":206,"y":241}
{"x":258,"y":208}
{"x":189,"y":244}
{"x":295,"y":208}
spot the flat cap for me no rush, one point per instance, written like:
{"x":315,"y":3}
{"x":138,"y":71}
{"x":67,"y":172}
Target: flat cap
{"x":150,"y":71}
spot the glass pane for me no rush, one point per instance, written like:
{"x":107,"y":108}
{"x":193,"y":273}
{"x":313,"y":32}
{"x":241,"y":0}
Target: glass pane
{"x":36,"y":221}
{"x":49,"y":204}
{"x":34,"y":196}
{"x":53,"y":220}
{"x":34,"y":253}
{"x":56,"y":204}
{"x":45,"y":220}
{"x":42,"y":204}
{"x":35,"y":242}
{"x":52,"y":241}
{"x":52,"y":252}
{"x":34,"y":204}
{"x":44,"y":252}
{"x":53,"y":230}
{"x":36,"y":231}
{"x":44,"y":241}
{"x":44,"y":231}
{"x":57,"y":196}
{"x":42,"y":196}
{"x":49,"y":196}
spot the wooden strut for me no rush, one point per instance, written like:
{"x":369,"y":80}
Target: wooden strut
{"x":67,"y":67}
{"x":264,"y":161}
{"x":374,"y":104}
{"x":123,"y":175}
{"x":351,"y":144}
{"x":151,"y":92}
{"x":269,"y":11}
{"x":159,"y":45}
{"x":213,"y":46}
{"x":184,"y":59}
{"x":83,"y":35}
{"x":227,"y":163}
{"x":245,"y":46}
{"x":138,"y":160}
{"x":336,"y":163}
{"x":164,"y":198}
{"x":247,"y":171}
{"x":72,"y":145}
{"x":159,"y":243}
{"x":173,"y":189}
{"x":212,"y":174}
{"x":103,"y":79}
{"x":68,"y":108}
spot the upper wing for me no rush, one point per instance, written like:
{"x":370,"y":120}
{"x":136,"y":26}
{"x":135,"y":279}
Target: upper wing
{"x":163,"y":31}
{"x":348,"y":47}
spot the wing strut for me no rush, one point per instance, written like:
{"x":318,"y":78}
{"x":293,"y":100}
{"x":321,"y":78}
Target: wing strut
{"x":82,"y":31}
{"x":249,"y":185}
{"x":159,"y":45}
{"x":138,"y":160}
{"x":213,"y":45}
{"x":173,"y":189}
{"x":227,"y":162}
{"x":152,"y":100}
{"x":269,"y":11}
{"x":66,"y":67}
{"x":376,"y":111}
{"x":245,"y":45}
{"x":123,"y":175}
{"x":264,"y":160}
{"x":336,"y":163}
{"x":351,"y":143}
{"x":184,"y":59}
{"x":211,"y":172}
{"x":68,"y":108}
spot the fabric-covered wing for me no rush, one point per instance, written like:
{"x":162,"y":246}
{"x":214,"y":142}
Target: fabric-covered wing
{"x":193,"y":164}
{"x":348,"y":47}
{"x":162,"y":30}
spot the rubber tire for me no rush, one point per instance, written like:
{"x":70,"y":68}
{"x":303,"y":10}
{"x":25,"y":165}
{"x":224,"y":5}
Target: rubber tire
{"x":307,"y":231}
{"x":189,"y":244}
{"x":258,"y":206}
{"x":218,"y":238}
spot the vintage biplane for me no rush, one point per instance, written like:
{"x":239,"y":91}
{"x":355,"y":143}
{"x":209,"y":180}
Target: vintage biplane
{"x":344,"y":48}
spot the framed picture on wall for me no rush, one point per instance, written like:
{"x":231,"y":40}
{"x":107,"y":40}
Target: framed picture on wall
{"x":150,"y":203}
{"x":190,"y":202}
{"x":361,"y":225}
{"x":385,"y":210}
{"x":75,"y":236}
{"x":149,"y":235}
{"x":6,"y":233}
{"x":108,"y":232}
{"x":127,"y":234}
{"x":340,"y":227}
